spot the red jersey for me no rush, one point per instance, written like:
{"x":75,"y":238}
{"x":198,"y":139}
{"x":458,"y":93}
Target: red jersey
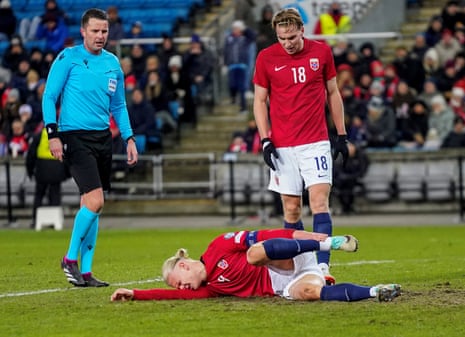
{"x":228,"y":272}
{"x":297,"y":91}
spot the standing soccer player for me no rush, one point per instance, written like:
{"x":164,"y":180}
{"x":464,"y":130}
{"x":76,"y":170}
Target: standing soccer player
{"x":297,"y":76}
{"x":89,"y":82}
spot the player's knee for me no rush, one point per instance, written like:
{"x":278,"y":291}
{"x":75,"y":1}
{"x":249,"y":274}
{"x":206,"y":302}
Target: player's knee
{"x":307,"y":289}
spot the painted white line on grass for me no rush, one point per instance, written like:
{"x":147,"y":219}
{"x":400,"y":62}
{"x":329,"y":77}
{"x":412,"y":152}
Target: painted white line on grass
{"x":160,"y":279}
{"x":45,"y":291}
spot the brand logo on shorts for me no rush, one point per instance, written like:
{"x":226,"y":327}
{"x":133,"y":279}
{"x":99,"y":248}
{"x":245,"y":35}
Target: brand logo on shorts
{"x":314,"y":64}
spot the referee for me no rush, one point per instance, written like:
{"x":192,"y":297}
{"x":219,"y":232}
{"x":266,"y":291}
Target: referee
{"x":88,"y":82}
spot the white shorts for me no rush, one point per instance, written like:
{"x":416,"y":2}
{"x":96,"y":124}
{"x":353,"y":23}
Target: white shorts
{"x":300,"y":167}
{"x":304,"y":264}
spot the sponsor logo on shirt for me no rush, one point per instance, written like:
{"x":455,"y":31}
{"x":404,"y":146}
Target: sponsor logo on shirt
{"x":280,"y":68}
{"x":314,"y":64}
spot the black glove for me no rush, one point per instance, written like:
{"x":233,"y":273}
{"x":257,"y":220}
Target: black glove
{"x":340,"y":146}
{"x":268,"y":150}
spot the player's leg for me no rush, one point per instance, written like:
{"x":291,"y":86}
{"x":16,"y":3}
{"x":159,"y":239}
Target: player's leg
{"x":286,"y":181}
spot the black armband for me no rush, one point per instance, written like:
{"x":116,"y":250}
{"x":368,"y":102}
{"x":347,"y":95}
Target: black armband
{"x":52,"y":130}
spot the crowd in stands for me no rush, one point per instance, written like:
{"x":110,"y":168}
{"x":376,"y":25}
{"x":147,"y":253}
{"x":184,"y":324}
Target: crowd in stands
{"x":163,"y":85}
{"x":414,"y":102}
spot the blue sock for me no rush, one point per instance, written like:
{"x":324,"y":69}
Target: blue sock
{"x":82,"y":222}
{"x":88,"y":247}
{"x":322,"y":224}
{"x":299,"y":225}
{"x":346,"y":292}
{"x":282,"y":249}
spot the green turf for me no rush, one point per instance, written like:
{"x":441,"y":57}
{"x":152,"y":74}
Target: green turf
{"x":429,"y":262}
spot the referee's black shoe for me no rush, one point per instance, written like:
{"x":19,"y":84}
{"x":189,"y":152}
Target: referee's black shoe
{"x":72,"y":273}
{"x":93,"y":282}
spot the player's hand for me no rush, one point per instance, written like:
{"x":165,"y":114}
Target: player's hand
{"x":268,"y":151}
{"x":340,"y":146}
{"x":122,"y":295}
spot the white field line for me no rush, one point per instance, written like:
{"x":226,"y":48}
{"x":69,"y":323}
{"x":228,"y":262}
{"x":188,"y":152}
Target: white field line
{"x":160,"y":279}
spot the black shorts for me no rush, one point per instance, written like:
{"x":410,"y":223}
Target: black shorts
{"x":88,"y":154}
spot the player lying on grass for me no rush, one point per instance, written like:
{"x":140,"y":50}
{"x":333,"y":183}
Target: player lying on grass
{"x":259,"y":263}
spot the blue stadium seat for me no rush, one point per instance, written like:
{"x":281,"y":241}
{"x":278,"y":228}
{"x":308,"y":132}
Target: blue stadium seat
{"x":19,"y":5}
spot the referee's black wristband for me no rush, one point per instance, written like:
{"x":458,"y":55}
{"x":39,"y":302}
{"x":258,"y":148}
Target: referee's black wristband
{"x":130,"y":137}
{"x":52,"y":130}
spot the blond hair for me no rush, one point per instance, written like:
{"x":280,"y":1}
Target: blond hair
{"x":287,"y":17}
{"x":170,"y":263}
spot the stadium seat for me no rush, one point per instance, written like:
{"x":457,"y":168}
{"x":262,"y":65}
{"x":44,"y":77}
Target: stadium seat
{"x":49,"y":216}
{"x":379,"y":182}
{"x":241,"y":184}
{"x":441,"y":179}
{"x":411,"y":181}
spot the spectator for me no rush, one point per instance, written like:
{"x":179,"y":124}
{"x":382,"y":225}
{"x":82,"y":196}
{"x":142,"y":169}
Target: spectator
{"x":130,"y":81}
{"x":14,"y":54}
{"x":36,"y":61}
{"x":28,"y":27}
{"x":447,"y":47}
{"x":252,"y":137}
{"x":198,"y":61}
{"x":457,"y":102}
{"x":19,"y":78}
{"x":440,"y":122}
{"x":177,"y":83}
{"x":340,"y":50}
{"x":54,"y":31}
{"x":353,"y":107}
{"x":266,"y":36}
{"x":380,"y":124}
{"x":362,"y":89}
{"x":10,"y":111}
{"x":30,"y":126}
{"x":8,"y":20}
{"x":446,"y":78}
{"x":353,"y":60}
{"x":431,"y":65}
{"x":166,"y":51}
{"x":35,"y":101}
{"x":141,"y":116}
{"x":137,"y":32}
{"x":49,"y":57}
{"x":238,"y":144}
{"x":429,"y":91}
{"x":115,"y":29}
{"x":333,"y":22}
{"x":18,"y":143}
{"x":5,"y":77}
{"x":452,"y":17}
{"x":416,"y":128}
{"x":152,"y":63}
{"x":347,"y":178}
{"x":403,"y":98}
{"x":236,"y":58}
{"x":419,"y":48}
{"x":345,"y":76}
{"x":409,"y":68}
{"x":390,"y":81}
{"x":456,"y":137}
{"x":433,"y":32}
{"x":156,"y":93}
{"x":138,"y":59}
{"x":367,"y":56}
{"x":46,"y":170}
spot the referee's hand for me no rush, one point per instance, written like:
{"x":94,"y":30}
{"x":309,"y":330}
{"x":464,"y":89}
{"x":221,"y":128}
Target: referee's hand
{"x":268,"y":151}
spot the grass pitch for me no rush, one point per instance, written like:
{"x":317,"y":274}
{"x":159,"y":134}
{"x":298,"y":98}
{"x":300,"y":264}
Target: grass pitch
{"x":36,"y":300}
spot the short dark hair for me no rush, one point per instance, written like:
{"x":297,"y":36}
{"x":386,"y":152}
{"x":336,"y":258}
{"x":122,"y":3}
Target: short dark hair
{"x":93,"y":13}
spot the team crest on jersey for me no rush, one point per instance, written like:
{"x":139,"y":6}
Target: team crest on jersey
{"x":223,"y":264}
{"x":314,"y":64}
